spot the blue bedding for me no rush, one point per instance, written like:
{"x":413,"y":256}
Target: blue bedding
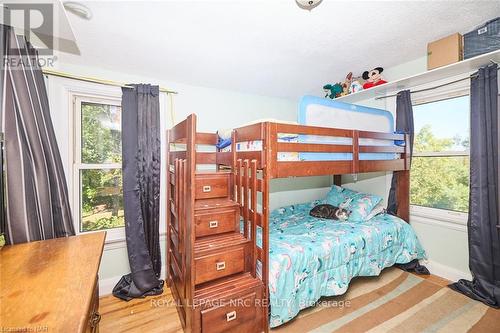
{"x":310,"y":257}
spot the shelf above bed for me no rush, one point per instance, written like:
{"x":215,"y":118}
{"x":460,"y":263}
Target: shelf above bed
{"x":462,"y":67}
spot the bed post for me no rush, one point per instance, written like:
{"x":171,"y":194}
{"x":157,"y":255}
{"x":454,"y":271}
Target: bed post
{"x":337,"y":180}
{"x":268,"y":145}
{"x":403,"y":194}
{"x":188,"y":205}
{"x":403,"y":183}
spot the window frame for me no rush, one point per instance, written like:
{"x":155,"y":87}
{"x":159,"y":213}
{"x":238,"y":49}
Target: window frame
{"x":431,"y":212}
{"x":114,"y":234}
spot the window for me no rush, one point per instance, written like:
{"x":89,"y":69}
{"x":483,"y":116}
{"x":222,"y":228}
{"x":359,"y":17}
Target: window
{"x":440,"y":166}
{"x":97,"y":164}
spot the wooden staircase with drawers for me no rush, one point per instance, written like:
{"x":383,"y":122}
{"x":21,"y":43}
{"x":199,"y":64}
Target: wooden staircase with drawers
{"x":210,"y":260}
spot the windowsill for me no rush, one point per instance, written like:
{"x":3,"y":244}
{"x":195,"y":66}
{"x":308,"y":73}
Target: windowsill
{"x":113,"y":242}
{"x":440,"y":215}
{"x":121,"y":243}
{"x":116,"y":243}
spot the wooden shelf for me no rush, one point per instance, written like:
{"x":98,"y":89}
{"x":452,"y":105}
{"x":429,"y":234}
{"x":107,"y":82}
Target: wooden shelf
{"x":458,"y":68}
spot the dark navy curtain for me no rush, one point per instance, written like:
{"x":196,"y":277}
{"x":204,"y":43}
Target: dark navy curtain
{"x":484,"y":199}
{"x":404,"y":124}
{"x":141,"y":191}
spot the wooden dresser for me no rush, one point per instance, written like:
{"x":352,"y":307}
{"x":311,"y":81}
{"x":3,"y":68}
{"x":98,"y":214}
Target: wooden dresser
{"x":51,"y":285}
{"x":211,"y":261}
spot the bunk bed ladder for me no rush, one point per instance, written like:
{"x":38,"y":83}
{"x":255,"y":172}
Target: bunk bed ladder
{"x":211,"y":263}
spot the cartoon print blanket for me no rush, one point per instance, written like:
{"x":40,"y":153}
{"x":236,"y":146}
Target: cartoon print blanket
{"x":310,"y":257}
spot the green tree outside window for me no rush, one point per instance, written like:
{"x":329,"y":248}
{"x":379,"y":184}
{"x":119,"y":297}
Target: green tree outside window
{"x":101,"y":188}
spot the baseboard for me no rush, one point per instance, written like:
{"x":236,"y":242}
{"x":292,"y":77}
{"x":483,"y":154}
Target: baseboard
{"x":106,"y":285}
{"x":446,"y":272}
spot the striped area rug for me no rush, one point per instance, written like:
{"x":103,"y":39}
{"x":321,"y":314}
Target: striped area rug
{"x":396,"y":301}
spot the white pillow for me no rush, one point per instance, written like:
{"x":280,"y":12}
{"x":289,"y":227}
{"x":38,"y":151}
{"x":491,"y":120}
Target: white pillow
{"x":379,"y":208}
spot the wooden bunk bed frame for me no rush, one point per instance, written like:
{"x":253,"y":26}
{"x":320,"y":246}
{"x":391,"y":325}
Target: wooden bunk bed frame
{"x":250,"y":172}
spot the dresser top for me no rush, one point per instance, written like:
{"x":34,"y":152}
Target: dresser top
{"x":48,"y":285}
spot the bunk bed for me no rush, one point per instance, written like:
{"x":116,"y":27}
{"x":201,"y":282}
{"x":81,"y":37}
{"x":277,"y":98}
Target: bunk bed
{"x":248,"y":173}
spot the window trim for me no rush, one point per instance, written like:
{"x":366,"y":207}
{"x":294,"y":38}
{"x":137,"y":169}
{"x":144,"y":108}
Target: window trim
{"x":442,"y":153}
{"x":453,"y":91}
{"x":432,"y":213}
{"x":112,"y":235}
{"x":439,"y":214}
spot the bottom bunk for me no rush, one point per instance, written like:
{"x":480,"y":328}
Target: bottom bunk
{"x":311,"y":257}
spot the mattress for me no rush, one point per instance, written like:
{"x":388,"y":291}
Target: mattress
{"x":310,"y":257}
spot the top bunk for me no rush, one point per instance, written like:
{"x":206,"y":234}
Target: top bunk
{"x":289,"y":150}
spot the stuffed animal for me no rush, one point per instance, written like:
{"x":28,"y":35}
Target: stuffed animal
{"x":333,"y":91}
{"x":373,"y":78}
{"x":347,"y":84}
{"x":308,"y":4}
{"x":356,"y":85}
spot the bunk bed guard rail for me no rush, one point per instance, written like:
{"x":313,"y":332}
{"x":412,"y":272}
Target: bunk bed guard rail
{"x":267,"y":156}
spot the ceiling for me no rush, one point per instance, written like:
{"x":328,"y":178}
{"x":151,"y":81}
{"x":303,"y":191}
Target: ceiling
{"x":270,"y":48}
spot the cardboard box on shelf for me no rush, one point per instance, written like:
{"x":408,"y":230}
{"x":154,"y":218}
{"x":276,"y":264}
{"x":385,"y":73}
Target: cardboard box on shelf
{"x":444,"y":51}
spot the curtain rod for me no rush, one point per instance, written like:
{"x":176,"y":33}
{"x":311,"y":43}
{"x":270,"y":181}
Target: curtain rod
{"x":435,"y":87}
{"x":96,"y":80}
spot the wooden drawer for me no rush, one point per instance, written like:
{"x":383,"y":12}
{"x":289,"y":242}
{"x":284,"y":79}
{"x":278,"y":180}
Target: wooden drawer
{"x":212,"y":186}
{"x":216,"y":222}
{"x":214,"y":266}
{"x":233,"y":315}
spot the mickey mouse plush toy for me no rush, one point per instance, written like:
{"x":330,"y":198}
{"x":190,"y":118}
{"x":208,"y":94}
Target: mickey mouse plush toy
{"x":373,"y":78}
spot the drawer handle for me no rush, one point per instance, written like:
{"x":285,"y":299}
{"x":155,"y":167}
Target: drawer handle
{"x":94,"y":320}
{"x":220,"y":265}
{"x":213,"y":224}
{"x":207,"y":188}
{"x":231,"y":316}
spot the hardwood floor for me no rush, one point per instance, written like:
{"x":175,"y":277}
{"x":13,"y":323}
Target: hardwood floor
{"x":158,"y":314}
{"x":435,"y":279}
{"x":152,"y":314}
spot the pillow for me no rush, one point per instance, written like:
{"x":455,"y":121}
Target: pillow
{"x":378,"y":209}
{"x":339,"y":195}
{"x":360,"y":204}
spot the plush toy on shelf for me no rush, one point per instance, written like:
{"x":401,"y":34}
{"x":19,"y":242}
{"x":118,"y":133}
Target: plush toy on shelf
{"x":356,"y":85}
{"x":333,"y":90}
{"x":346,"y":85}
{"x":373,"y":78}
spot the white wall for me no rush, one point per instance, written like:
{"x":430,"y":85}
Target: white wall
{"x":215,"y":109}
